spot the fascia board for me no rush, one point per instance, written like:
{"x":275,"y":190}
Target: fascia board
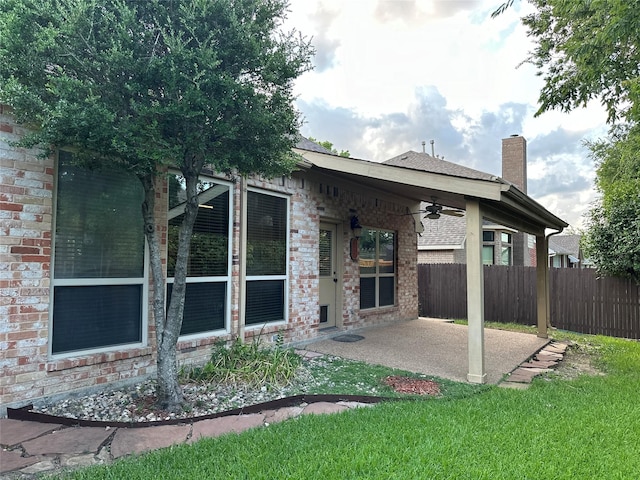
{"x":482,"y":189}
{"x":518,"y":200}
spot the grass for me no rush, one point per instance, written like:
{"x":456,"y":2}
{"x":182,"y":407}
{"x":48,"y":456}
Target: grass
{"x":588,"y":427}
{"x":340,"y":376}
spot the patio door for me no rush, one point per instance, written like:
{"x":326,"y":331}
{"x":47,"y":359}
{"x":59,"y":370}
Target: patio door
{"x":328,"y":274}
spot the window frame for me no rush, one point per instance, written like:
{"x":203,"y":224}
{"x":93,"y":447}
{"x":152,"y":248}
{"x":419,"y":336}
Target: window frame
{"x":142,"y":281}
{"x":210,"y":278}
{"x":284,"y":277}
{"x":377,"y":275}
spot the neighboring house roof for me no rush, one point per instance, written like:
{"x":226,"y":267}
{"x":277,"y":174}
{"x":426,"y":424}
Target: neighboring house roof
{"x":565,"y":244}
{"x":444,"y":233}
{"x":448,"y":232}
{"x":306,"y":144}
{"x":427,"y":163}
{"x":568,"y":245}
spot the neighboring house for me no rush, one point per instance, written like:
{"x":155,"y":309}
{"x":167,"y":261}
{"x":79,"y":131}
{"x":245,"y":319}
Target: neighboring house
{"x":333,"y":247}
{"x":565,"y":252}
{"x":443,"y":240}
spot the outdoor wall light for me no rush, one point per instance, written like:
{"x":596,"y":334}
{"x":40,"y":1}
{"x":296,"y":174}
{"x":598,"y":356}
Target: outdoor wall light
{"x":356,"y":228}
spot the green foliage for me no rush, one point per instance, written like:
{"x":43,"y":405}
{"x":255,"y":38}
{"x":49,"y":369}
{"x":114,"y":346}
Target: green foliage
{"x":248,"y":364}
{"x":591,"y":50}
{"x":329,"y":146}
{"x":207,"y":255}
{"x":138,"y":84}
{"x":266,"y":257}
{"x":613,"y":223}
{"x":613,"y":231}
{"x":587,"y":50}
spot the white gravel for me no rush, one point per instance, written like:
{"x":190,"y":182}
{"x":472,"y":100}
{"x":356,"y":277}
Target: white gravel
{"x":135,"y":403}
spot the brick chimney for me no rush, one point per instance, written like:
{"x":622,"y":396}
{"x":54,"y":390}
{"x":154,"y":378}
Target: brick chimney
{"x":514,"y":161}
{"x":514,"y":170}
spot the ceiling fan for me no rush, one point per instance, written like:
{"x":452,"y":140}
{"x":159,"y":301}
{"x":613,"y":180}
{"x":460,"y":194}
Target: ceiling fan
{"x":434,"y":211}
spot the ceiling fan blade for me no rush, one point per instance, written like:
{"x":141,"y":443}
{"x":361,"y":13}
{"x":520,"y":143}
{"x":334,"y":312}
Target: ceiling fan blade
{"x":452,"y":213}
{"x":415,"y":213}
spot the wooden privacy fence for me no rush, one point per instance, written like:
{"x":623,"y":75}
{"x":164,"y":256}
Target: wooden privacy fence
{"x":580,"y":301}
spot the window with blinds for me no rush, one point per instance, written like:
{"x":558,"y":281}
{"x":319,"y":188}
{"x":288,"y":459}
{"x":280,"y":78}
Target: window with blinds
{"x":98,"y":261}
{"x":205,"y":308}
{"x":267,"y":247}
{"x":377,"y":262}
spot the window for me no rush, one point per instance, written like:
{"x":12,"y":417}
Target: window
{"x":505,"y":252}
{"x":487,"y":236}
{"x":208,"y":283}
{"x":487,"y":254}
{"x":267,"y":253}
{"x":377,"y":268}
{"x":99,"y":259}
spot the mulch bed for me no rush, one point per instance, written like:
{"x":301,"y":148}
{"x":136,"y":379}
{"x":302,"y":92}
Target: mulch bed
{"x":414,"y":386}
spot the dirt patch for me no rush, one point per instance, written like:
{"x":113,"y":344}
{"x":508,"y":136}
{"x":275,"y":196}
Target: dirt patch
{"x":413,"y":386}
{"x":576,"y":363}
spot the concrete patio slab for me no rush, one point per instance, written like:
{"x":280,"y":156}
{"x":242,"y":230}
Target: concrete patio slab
{"x":434,"y":347}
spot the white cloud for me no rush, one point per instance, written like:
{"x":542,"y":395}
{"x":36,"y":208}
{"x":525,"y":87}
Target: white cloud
{"x":393,"y":73}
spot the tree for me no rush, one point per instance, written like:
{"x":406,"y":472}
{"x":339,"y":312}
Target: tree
{"x":143,"y":85}
{"x":613,"y":224}
{"x":329,"y":146}
{"x":587,"y":50}
{"x":591,"y":50}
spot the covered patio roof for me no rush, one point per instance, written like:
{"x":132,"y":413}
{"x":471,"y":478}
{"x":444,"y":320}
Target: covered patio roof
{"x":502,"y":202}
{"x":420,"y":178}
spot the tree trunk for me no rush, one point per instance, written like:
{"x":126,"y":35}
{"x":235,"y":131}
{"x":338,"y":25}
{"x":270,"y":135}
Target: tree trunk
{"x":169,"y":393}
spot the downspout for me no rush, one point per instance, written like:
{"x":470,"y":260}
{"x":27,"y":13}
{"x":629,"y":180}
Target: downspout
{"x":242,"y":258}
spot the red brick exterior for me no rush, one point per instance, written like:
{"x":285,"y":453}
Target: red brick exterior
{"x":29,"y":374}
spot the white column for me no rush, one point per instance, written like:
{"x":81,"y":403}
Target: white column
{"x":542,"y":284}
{"x":475,"y":293}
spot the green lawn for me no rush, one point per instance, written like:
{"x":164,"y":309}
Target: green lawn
{"x":588,"y":427}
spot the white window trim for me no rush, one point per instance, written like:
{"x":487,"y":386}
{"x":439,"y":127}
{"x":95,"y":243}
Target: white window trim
{"x":285,"y":277}
{"x":378,"y":275}
{"x":174,"y":212}
{"x":73,"y":282}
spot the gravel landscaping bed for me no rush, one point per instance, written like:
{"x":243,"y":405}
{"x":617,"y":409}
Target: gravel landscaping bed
{"x":137,"y":403}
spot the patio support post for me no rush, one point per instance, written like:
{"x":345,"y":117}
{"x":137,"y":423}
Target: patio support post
{"x":542,"y":284}
{"x":475,"y":293}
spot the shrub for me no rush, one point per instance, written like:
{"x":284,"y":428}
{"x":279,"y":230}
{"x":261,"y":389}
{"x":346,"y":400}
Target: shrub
{"x":249,"y":364}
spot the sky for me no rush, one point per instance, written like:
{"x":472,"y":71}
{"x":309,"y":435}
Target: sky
{"x":390,"y":74}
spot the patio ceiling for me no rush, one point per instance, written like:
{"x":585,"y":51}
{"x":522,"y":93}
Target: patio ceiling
{"x":500,"y":201}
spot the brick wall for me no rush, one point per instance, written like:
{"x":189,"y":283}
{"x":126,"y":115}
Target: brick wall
{"x":29,"y":375}
{"x":514,"y":161}
{"x":26,"y":184}
{"x":458,"y":255}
